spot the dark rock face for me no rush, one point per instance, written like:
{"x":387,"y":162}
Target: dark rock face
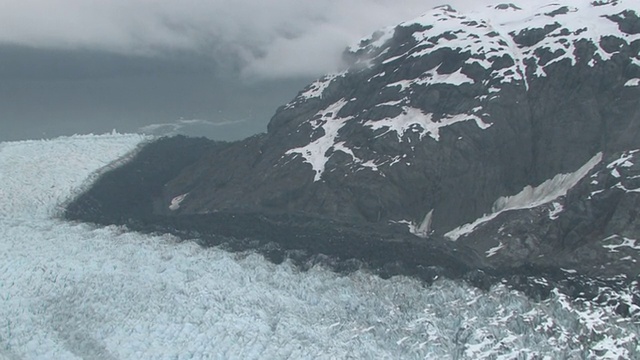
{"x":494,"y":138}
{"x":128,"y":192}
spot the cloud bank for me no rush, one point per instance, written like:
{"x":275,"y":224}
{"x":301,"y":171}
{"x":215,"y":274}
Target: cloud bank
{"x":261,"y":39}
{"x":175,"y":127}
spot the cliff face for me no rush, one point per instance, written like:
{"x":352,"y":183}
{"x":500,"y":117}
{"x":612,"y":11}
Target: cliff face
{"x":503,"y":132}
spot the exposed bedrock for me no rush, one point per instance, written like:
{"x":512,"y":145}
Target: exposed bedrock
{"x":499,"y":141}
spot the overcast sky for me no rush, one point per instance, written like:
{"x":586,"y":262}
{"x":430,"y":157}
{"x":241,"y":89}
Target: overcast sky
{"x":218,"y":68}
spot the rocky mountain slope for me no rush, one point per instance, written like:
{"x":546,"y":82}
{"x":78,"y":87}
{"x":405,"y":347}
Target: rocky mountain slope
{"x":503,"y":139}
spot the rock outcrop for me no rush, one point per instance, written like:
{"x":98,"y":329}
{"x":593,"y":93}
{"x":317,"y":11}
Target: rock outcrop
{"x":505,"y":139}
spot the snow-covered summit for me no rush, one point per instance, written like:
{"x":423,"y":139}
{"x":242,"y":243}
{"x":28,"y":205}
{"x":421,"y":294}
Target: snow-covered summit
{"x":512,"y":41}
{"x":447,"y":67}
{"x":525,"y":38}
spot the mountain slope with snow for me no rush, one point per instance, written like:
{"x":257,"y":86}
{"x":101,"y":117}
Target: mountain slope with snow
{"x":75,"y":291}
{"x":453,"y":142}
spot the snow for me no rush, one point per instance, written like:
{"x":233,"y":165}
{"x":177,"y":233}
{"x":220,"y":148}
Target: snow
{"x":624,"y":160}
{"x":71,"y":291}
{"x":412,"y":119}
{"x":556,"y":210}
{"x":393,"y":103}
{"x":433,"y":77}
{"x":48,"y":173}
{"x":489,"y":34}
{"x":530,"y":197}
{"x":486,"y":36}
{"x":616,"y":169}
{"x":583,"y":21}
{"x":423,"y":229}
{"x":633,"y":82}
{"x":569,"y":271}
{"x":316,"y":89}
{"x":176,"y":201}
{"x":625,"y":242}
{"x":494,"y":250}
{"x":317,"y":152}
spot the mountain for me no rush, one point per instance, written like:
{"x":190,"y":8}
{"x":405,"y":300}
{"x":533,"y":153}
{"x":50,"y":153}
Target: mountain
{"x":503,"y":140}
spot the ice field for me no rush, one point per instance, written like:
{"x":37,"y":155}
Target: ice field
{"x":76,"y":291}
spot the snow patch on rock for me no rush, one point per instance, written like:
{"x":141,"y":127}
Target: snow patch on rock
{"x":316,"y":89}
{"x":433,"y":77}
{"x":621,"y":243}
{"x":422,"y":229}
{"x":494,"y":250}
{"x":176,"y":201}
{"x":412,"y":119}
{"x":555,"y":211}
{"x":318,"y":152}
{"x":632,"y":82}
{"x":529,"y":197}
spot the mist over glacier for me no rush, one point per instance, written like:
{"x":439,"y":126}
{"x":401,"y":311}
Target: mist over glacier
{"x":72,"y":290}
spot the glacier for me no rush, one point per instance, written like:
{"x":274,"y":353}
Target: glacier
{"x":76,"y":291}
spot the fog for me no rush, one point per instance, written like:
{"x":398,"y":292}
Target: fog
{"x":72,"y":66}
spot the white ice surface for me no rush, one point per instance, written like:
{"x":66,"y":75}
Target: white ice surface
{"x":316,"y":89}
{"x":490,"y":33}
{"x":74,"y":291}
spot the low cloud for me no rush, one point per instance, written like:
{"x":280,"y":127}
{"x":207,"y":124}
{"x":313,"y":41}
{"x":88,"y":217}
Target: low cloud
{"x":260,"y":39}
{"x":181,"y":124}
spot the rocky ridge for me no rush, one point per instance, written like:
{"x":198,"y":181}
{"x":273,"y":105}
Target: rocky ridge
{"x":508,"y":136}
